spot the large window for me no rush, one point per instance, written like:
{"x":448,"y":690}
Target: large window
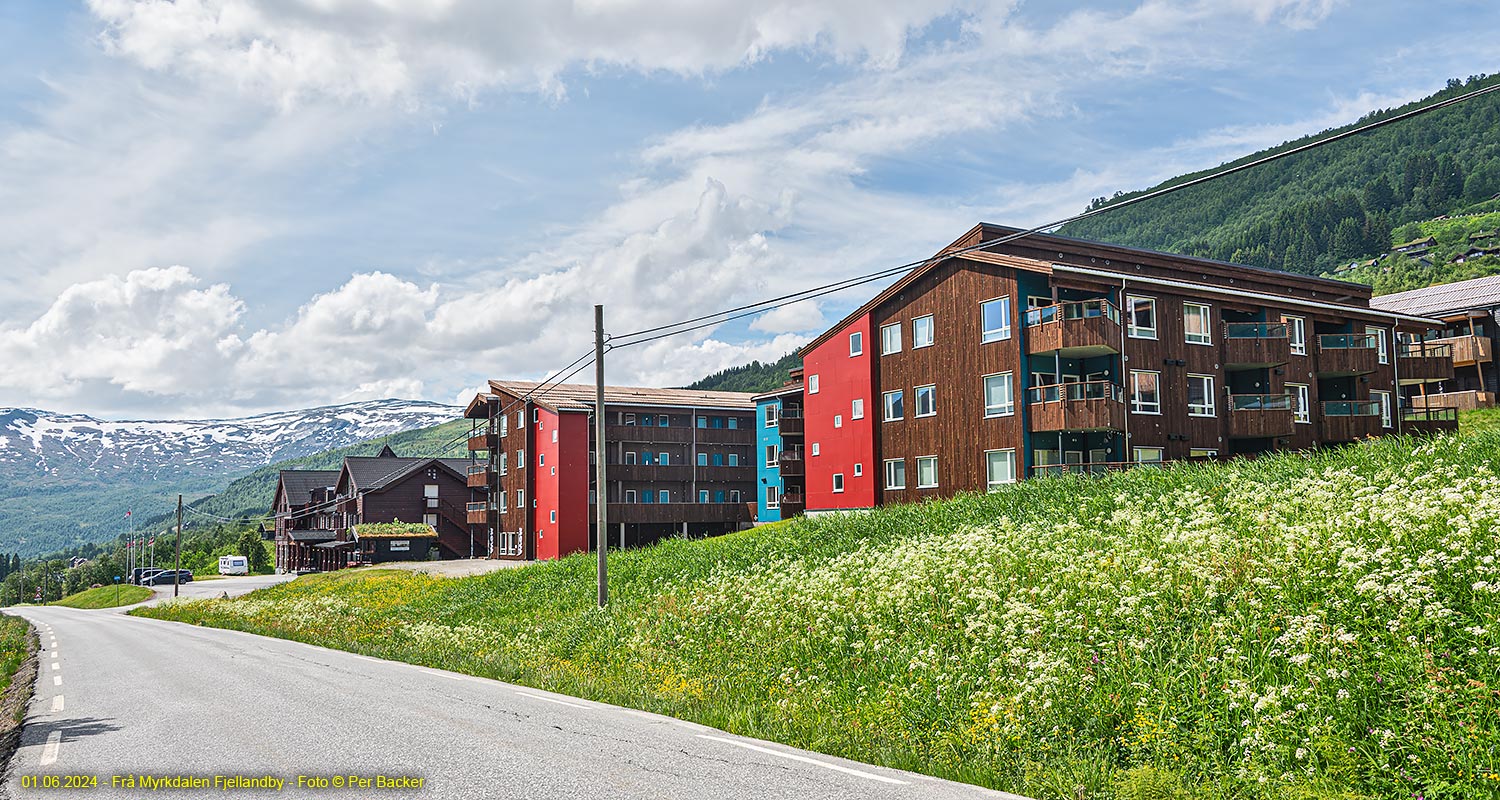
{"x":1296,"y":334}
{"x":856,"y":344}
{"x":999,"y":395}
{"x":999,"y":468}
{"x":926,"y":400}
{"x":1148,"y":455}
{"x":1201,"y":396}
{"x":994,"y":318}
{"x":1380,"y":346}
{"x":894,"y":404}
{"x":1197,"y":323}
{"x":1141,"y":317}
{"x":890,"y":338}
{"x":1384,"y":399}
{"x":927,"y":477}
{"x":1145,"y":392}
{"x":921,"y":332}
{"x":1301,"y":407}
{"x":895,"y":473}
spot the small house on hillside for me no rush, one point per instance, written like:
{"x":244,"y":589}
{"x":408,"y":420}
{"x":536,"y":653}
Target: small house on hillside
{"x":1475,"y":252}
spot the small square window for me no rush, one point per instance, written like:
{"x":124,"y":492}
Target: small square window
{"x":999,"y":468}
{"x":857,"y":409}
{"x":1197,"y":323}
{"x":895,"y":473}
{"x":926,"y":400}
{"x":838,"y":420}
{"x":815,"y":448}
{"x":1140,"y":317}
{"x":856,"y":344}
{"x":859,"y":469}
{"x":927,"y":476}
{"x":1201,"y":400}
{"x":890,"y":338}
{"x":894,"y":404}
{"x":838,"y":482}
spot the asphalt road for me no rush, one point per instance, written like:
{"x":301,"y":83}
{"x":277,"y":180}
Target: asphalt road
{"x":118,"y":695}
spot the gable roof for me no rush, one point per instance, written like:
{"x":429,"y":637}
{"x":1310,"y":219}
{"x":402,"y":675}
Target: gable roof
{"x":792,"y":387}
{"x":298,"y":484}
{"x":1444,"y":299}
{"x":373,"y":473}
{"x":580,"y":396}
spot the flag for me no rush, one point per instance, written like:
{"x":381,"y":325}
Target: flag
{"x":151,"y":543}
{"x":127,"y":513}
{"x":129,"y":543}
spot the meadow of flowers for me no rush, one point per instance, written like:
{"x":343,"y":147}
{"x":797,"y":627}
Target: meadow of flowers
{"x":1306,"y":625}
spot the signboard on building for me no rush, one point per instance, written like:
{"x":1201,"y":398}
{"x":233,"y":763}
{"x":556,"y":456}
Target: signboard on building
{"x":400,"y":544}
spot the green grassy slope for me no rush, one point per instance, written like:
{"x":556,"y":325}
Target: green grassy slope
{"x":106,"y":597}
{"x":1305,"y":625}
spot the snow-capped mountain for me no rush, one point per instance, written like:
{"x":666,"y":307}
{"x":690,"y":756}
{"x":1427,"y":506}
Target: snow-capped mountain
{"x":57,"y":444}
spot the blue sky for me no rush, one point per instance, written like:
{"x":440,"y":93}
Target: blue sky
{"x":216,"y":207}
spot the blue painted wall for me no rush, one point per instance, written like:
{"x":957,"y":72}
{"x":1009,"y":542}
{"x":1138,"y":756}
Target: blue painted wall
{"x":766,"y":476}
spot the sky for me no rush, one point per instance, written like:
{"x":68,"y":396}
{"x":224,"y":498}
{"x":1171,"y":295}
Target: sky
{"x":212,"y":208}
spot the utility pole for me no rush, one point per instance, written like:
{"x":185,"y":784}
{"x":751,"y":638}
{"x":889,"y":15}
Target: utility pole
{"x":601,"y":493}
{"x":177,"y":567}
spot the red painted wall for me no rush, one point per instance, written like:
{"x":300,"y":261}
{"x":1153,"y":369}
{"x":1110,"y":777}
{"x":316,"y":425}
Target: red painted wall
{"x":573,"y":483}
{"x":841,"y":379}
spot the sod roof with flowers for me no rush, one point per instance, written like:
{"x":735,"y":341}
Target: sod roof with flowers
{"x":394,"y":530}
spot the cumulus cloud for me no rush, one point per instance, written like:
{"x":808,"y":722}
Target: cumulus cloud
{"x":801,"y":317}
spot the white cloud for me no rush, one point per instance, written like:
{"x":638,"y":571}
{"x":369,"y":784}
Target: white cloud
{"x":803,"y":316}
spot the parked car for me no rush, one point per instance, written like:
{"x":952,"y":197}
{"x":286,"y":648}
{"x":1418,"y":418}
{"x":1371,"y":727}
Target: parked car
{"x":164,"y":577}
{"x":141,"y":575}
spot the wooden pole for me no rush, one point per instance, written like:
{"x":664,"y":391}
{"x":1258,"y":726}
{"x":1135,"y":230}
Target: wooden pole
{"x":177,"y":566}
{"x":601,"y":489}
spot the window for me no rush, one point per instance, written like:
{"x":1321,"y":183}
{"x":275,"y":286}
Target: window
{"x":772,"y":416}
{"x":630,"y":457}
{"x":1202,"y":452}
{"x":894,"y":404}
{"x":552,"y":517}
{"x":647,"y":421}
{"x":630,"y":495}
{"x":857,"y":408}
{"x":1380,"y":348}
{"x":734,"y":459}
{"x":663,"y":459}
{"x":927,"y":472}
{"x":536,"y":415}
{"x":812,"y":384}
{"x":504,"y":425}
{"x":630,"y":419}
{"x":554,"y":435}
{"x":921,"y":332}
{"x":718,"y":459}
{"x":771,"y":455}
{"x":734,"y":495}
{"x":1301,"y":408}
{"x":1046,"y":458}
{"x":520,"y":419}
{"x":703,"y":459}
{"x":838,"y":483}
{"x":645,"y":457}
{"x":859,"y":469}
{"x":994,"y":320}
{"x":1296,"y":334}
{"x":838,"y":420}
{"x":773,"y":497}
{"x":648,"y":497}
{"x":734,"y":423}
{"x":520,"y":459}
{"x":703,"y":495}
{"x":430,"y":519}
{"x":926,"y":400}
{"x":520,"y":498}
{"x":665,"y":496}
{"x":999,"y":395}
{"x":999,"y":468}
{"x":1200,"y":395}
{"x":895,"y":473}
{"x":1141,"y":317}
{"x":1148,"y":455}
{"x":541,"y":459}
{"x":1145,"y":392}
{"x":430,"y":491}
{"x":554,"y":470}
{"x":856,"y":344}
{"x":703,"y":422}
{"x":1197,"y":323}
{"x":890,"y":338}
{"x":1384,"y":399}
{"x":719,"y":496}
{"x":504,"y":506}
{"x":716,"y":422}
{"x":814,"y":448}
{"x":505,"y":463}
{"x":663,"y":421}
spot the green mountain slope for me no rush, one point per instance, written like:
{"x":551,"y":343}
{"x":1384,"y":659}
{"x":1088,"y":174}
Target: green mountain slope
{"x":1312,"y":212}
{"x":752,"y":377}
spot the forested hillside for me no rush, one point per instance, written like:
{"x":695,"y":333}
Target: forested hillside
{"x":752,"y":377}
{"x":1318,"y":210}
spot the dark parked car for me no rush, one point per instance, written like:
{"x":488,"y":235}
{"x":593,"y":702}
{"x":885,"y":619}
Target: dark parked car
{"x":164,"y":578}
{"x":141,"y":575}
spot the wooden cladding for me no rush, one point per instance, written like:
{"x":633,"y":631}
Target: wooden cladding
{"x":1086,"y":406}
{"x":1255,"y":345}
{"x":1467,"y":350}
{"x":1421,"y":365}
{"x":676,"y":513}
{"x":1346,"y":421}
{"x":791,"y":425}
{"x":1346,"y":354}
{"x":480,"y":476}
{"x":1260,"y":416}
{"x":484,"y":441}
{"x":680,"y":473}
{"x":679,"y":435}
{"x":1074,"y":330}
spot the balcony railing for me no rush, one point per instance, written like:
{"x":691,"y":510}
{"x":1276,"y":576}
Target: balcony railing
{"x":1424,"y":362}
{"x":478,"y":476}
{"x":1467,"y":350}
{"x":1433,"y":419}
{"x":790,"y":422}
{"x":1255,"y":330}
{"x":790,"y":463}
{"x":1076,"y":329}
{"x":1348,"y":420}
{"x":477,"y":513}
{"x":1077,"y":406}
{"x":484,"y":441}
{"x":1346,"y":353}
{"x":1256,"y":345}
{"x":1259,"y":416}
{"x":1351,"y":408}
{"x":1347,"y":341}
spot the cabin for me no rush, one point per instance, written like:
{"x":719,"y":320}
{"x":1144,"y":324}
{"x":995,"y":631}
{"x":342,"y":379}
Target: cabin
{"x":1469,"y":312}
{"x":1042,"y":355}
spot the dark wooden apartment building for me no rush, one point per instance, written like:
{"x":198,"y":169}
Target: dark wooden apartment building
{"x":1049,"y":354}
{"x":318,"y":512}
{"x":679,"y":462}
{"x":1470,"y":335}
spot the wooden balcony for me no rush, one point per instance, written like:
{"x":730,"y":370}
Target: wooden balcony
{"x":1429,"y":420}
{"x":792,"y":464}
{"x":793,"y":504}
{"x":649,"y":472}
{"x":1255,"y":345}
{"x":1349,"y":420}
{"x":790,"y":422}
{"x":1467,"y":350}
{"x":1463,"y":401}
{"x":1074,"y":330}
{"x":676,"y":513}
{"x":1260,"y":416}
{"x":1343,"y":354}
{"x":744,"y":473}
{"x":1087,"y":406}
{"x":477,"y":513}
{"x":1424,"y":362}
{"x":484,"y":441}
{"x":679,"y":435}
{"x":480,"y":476}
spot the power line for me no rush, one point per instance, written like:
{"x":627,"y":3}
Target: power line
{"x":739,"y":312}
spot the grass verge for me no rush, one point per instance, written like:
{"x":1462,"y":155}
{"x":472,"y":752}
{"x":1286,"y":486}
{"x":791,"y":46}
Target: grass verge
{"x":18,"y":646}
{"x":1303,"y":625}
{"x":106,"y":597}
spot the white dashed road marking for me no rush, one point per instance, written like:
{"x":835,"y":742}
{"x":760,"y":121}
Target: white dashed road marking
{"x":49,"y":753}
{"x":56,"y":680}
{"x":804,"y":759}
{"x":57,"y":703}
